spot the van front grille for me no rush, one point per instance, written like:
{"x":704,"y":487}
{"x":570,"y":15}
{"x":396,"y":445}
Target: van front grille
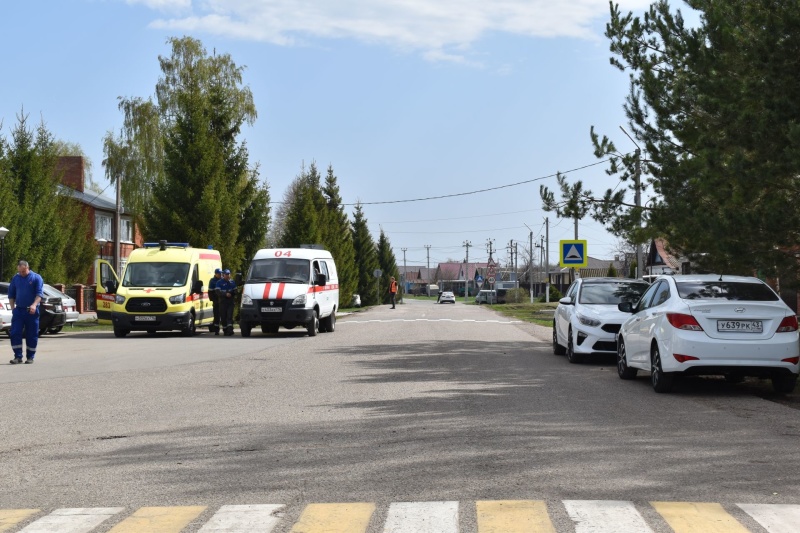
{"x":146,"y":305}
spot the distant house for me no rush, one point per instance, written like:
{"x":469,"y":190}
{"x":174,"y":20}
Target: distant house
{"x":663,"y":260}
{"x":415,"y":278}
{"x":454,"y":276}
{"x":100,"y":210}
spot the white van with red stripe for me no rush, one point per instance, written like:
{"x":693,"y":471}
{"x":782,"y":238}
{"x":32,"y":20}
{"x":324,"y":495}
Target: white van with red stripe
{"x":290,"y":287}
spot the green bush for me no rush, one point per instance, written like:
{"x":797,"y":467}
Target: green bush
{"x":517,"y":296}
{"x":555,"y":295}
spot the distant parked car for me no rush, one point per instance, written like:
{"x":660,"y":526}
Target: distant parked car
{"x":709,"y":324}
{"x":587,"y":319}
{"x":51,"y":312}
{"x":447,"y":298}
{"x":68,"y":303}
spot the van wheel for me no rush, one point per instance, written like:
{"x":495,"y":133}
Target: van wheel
{"x":313,"y":326}
{"x":119,"y":332}
{"x":191,"y":329}
{"x":245,"y":329}
{"x":328,"y":324}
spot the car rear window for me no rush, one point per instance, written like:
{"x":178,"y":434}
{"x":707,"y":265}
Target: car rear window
{"x":611,"y":293}
{"x":725,"y":290}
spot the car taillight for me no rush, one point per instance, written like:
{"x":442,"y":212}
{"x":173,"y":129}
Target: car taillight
{"x":686,"y":322}
{"x":683,"y":358}
{"x":793,"y":360}
{"x":789,"y":323}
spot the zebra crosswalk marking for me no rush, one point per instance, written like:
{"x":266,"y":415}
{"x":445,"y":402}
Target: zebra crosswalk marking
{"x":72,"y":520}
{"x":422,"y":517}
{"x":774,"y":517}
{"x":688,"y":517}
{"x":244,"y":519}
{"x":11,"y":517}
{"x":604,"y":516}
{"x":159,"y":519}
{"x":335,"y":518}
{"x":513,"y":516}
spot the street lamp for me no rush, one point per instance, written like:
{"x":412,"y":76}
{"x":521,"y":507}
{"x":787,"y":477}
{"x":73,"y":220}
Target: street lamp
{"x":3,"y":233}
{"x":102,"y":242}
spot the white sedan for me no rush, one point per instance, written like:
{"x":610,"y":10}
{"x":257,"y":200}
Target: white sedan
{"x":710,"y":324}
{"x":447,"y":297}
{"x":587,"y":319}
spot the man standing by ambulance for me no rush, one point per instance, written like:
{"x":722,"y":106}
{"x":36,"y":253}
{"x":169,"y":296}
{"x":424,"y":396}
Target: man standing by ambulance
{"x":227,"y":296}
{"x":24,"y":295}
{"x":214,"y":295}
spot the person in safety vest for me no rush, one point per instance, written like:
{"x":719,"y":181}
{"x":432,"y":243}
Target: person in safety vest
{"x":213,"y":294}
{"x":24,"y":295}
{"x":227,"y":293}
{"x":392,"y":291}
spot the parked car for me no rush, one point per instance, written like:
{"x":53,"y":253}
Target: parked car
{"x":51,"y":312}
{"x":68,"y":303}
{"x":709,"y":324}
{"x":5,"y":314}
{"x":587,"y":319}
{"x":486,"y":297}
{"x":447,"y":297}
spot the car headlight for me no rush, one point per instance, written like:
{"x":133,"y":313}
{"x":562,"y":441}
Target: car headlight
{"x":246,"y":300}
{"x":119,"y":299}
{"x":586,"y":321}
{"x":300,"y":300}
{"x":177,"y":299}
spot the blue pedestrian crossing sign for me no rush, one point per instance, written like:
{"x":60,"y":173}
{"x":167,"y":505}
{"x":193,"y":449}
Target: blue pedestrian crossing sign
{"x":573,"y":254}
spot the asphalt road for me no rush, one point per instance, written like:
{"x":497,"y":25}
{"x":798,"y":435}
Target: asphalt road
{"x":422,"y":403}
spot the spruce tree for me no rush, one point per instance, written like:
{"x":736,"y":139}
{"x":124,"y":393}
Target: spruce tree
{"x":366,"y":258}
{"x":388,"y":265}
{"x":338,"y":239}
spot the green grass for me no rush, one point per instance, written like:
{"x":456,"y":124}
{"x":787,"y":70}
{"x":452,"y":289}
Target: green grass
{"x":538,"y":313}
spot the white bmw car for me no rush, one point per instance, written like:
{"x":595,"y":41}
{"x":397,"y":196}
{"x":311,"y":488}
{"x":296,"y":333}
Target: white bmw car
{"x":709,"y":324}
{"x":587,"y":319}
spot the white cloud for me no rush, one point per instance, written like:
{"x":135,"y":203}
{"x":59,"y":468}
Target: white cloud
{"x":440,"y":30}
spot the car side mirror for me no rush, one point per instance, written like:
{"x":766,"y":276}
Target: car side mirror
{"x":625,"y":307}
{"x":322,"y":280}
{"x":197,"y":286}
{"x":111,"y":286}
{"x":566,"y":300}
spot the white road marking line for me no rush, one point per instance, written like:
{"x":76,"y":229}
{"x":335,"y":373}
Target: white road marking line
{"x":471,"y":321}
{"x":604,"y":516}
{"x":774,"y":517}
{"x":74,"y":520}
{"x":244,"y":519}
{"x":422,"y":517}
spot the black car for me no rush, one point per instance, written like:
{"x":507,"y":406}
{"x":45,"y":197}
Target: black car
{"x":51,"y":312}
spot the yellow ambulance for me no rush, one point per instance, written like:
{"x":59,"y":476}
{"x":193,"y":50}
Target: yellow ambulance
{"x":164,"y":287}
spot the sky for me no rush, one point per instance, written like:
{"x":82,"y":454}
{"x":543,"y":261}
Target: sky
{"x":442,"y":117}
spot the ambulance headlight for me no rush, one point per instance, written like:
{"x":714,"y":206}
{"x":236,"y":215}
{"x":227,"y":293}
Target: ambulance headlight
{"x":246,"y":300}
{"x":177,"y":299}
{"x":119,"y":299}
{"x":300,"y":300}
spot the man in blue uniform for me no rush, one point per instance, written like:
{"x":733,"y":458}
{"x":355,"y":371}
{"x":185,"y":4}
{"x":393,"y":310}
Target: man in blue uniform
{"x":24,"y":295}
{"x":214,"y":295}
{"x":227,"y":293}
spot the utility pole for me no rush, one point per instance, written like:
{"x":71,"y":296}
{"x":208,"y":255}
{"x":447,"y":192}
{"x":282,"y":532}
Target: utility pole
{"x":637,"y":178}
{"x":403,"y":277}
{"x":467,"y":244}
{"x":530,"y":266}
{"x":428,"y":273}
{"x":547,"y":259}
{"x":516,"y":263}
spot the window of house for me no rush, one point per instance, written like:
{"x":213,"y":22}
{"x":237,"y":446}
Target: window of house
{"x":103,"y":225}
{"x":125,"y":230}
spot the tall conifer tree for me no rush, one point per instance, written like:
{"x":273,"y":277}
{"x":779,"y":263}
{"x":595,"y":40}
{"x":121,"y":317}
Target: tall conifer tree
{"x":366,"y":258}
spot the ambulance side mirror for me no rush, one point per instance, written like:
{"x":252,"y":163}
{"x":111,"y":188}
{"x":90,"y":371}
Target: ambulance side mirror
{"x":322,"y":280}
{"x":197,"y":286}
{"x":110,"y":286}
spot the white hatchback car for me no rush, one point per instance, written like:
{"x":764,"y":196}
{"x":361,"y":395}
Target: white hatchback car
{"x":587,"y":319}
{"x":710,"y":324}
{"x":5,"y":314}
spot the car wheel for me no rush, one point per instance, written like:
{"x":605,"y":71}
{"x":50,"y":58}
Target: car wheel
{"x":784,"y":384}
{"x":662,"y":381}
{"x":624,"y":371}
{"x":119,"y":332}
{"x":572,"y":357}
{"x":245,"y":328}
{"x":189,"y":330}
{"x":557,"y":348}
{"x":313,"y":326}
{"x":55,"y":330}
{"x":328,"y":324}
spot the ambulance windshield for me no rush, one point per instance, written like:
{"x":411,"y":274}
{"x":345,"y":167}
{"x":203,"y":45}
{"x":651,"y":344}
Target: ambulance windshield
{"x":155,"y":275}
{"x":279,"y":270}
